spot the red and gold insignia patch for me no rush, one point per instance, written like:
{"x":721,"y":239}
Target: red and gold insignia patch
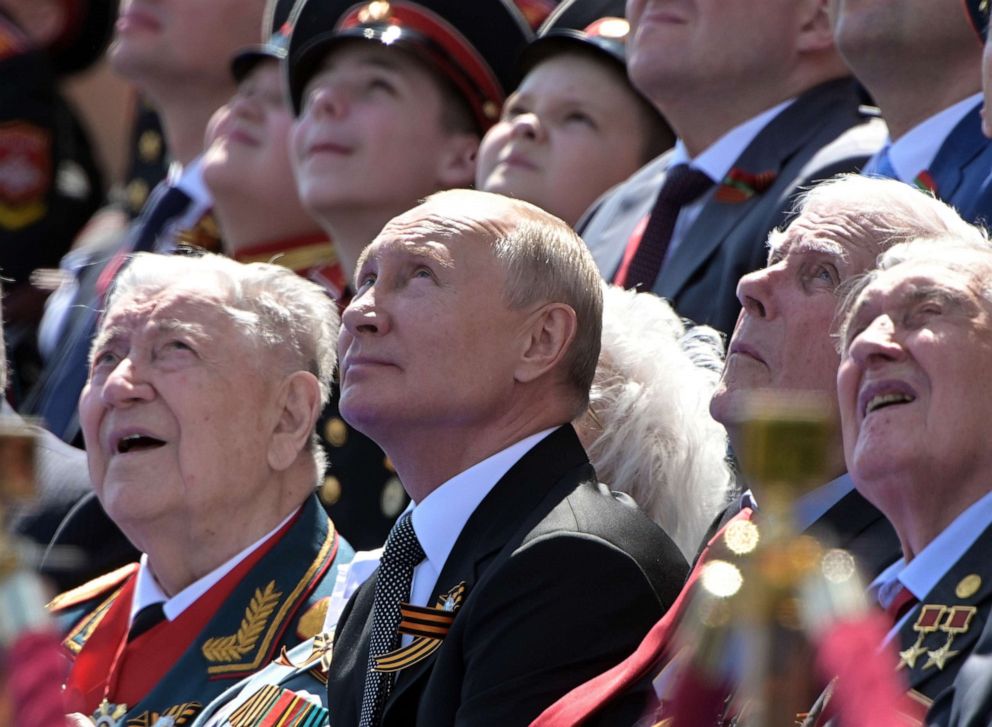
{"x":25,"y":173}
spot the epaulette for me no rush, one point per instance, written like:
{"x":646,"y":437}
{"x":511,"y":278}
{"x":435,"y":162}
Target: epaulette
{"x":91,"y":589}
{"x":13,"y":41}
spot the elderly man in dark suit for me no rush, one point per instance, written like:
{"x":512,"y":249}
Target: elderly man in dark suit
{"x":917,"y":345}
{"x":762,"y":105}
{"x":783,"y":342}
{"x":468,"y":348}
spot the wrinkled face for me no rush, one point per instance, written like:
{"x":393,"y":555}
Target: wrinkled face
{"x":370,"y":133}
{"x":570,"y":115}
{"x":247,"y":141}
{"x":183,"y":39}
{"x":688,"y":42}
{"x":782,"y":340}
{"x":428,"y":341}
{"x":917,"y":354}
{"x":179,"y":406}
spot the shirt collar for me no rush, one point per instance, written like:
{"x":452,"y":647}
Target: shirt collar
{"x":922,"y":574}
{"x":719,"y":157}
{"x":148,"y":591}
{"x":914,"y":151}
{"x":440,"y":517}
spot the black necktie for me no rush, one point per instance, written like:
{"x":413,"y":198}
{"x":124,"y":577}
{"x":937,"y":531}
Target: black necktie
{"x":149,"y":616}
{"x":401,"y":554}
{"x":682,"y":185}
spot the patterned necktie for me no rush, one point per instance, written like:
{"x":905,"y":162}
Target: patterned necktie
{"x":401,"y":554}
{"x":682,"y":185}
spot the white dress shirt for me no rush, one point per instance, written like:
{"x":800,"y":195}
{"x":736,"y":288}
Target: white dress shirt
{"x":439,"y":518}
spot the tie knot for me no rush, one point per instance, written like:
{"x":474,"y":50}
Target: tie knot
{"x":684,"y":184}
{"x":402,"y":547}
{"x":148,"y":617}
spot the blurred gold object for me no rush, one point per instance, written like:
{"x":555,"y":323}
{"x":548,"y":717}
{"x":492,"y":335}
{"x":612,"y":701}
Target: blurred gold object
{"x":772,"y":590}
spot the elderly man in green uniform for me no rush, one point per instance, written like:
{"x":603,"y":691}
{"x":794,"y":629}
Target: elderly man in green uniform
{"x":205,"y":382}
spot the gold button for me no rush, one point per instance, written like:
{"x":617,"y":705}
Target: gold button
{"x":330,"y":491}
{"x":336,"y":432}
{"x":968,"y":586}
{"x":388,"y":464}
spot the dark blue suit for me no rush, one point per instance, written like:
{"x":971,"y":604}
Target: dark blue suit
{"x":962,"y":169}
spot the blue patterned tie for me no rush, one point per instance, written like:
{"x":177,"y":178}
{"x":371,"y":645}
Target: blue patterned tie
{"x":401,"y":554}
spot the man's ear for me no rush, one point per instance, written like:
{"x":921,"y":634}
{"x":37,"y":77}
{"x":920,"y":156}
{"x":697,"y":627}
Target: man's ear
{"x":456,"y":163}
{"x":550,"y":331}
{"x":300,"y":407}
{"x":816,"y":32}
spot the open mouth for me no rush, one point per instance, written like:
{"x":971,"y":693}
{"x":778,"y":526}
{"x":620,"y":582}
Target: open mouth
{"x":137,"y":442}
{"x":881,"y":401}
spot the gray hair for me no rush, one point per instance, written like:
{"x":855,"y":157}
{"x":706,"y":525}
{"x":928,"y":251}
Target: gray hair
{"x":546,"y":261}
{"x":876,"y":213}
{"x":283,"y":313}
{"x":949,"y":253}
{"x":656,"y":440}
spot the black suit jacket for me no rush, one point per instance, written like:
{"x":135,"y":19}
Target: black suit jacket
{"x":562,"y":579}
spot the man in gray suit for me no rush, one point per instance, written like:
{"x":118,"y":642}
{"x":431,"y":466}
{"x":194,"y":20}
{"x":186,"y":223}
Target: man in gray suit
{"x":762,"y":104}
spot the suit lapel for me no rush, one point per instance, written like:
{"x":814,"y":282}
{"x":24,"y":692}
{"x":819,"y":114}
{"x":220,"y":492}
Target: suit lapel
{"x":774,"y":145}
{"x":962,"y":145}
{"x":523,"y":496}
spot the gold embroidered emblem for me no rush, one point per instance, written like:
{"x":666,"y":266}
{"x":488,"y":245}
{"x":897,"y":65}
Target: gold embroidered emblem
{"x":176,"y":716}
{"x":222,"y":649}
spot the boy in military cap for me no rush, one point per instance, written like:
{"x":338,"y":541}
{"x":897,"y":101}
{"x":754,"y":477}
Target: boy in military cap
{"x":392,"y":99}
